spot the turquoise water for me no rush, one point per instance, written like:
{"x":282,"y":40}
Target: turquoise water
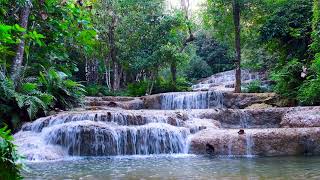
{"x":177,"y":167}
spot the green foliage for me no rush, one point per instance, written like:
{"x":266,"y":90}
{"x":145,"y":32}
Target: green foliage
{"x":254,"y":87}
{"x":309,"y":92}
{"x":216,"y":55}
{"x":288,"y":79}
{"x":138,"y":89}
{"x":19,"y":101}
{"x":96,"y":90}
{"x":315,"y":45}
{"x":66,"y":93}
{"x":10,"y":166}
{"x":163,"y":86}
{"x":198,"y":69}
{"x":8,"y":37}
{"x":288,"y":29}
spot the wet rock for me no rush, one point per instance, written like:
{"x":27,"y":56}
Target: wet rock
{"x":241,"y":132}
{"x":243,"y":100}
{"x":259,"y":106}
{"x":152,"y":101}
{"x":182,"y":116}
{"x":262,"y":142}
{"x":121,"y":102}
{"x":112,"y":104}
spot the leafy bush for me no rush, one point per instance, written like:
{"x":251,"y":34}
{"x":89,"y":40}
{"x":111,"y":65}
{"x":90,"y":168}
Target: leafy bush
{"x":29,"y":99}
{"x":137,"y":89}
{"x":96,"y":90}
{"x":163,"y":86}
{"x":10,"y":167}
{"x":254,"y":87}
{"x":309,"y":91}
{"x":67,"y":93}
{"x":288,"y":79}
{"x":198,"y":69}
{"x":18,"y":102}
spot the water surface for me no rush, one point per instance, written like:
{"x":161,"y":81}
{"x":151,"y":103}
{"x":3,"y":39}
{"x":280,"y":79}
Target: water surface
{"x":177,"y":167}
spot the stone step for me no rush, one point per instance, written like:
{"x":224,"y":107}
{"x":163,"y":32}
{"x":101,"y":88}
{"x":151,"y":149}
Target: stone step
{"x":259,"y":142}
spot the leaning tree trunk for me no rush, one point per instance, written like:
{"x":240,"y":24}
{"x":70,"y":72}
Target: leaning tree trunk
{"x":236,"y":18}
{"x":18,"y":59}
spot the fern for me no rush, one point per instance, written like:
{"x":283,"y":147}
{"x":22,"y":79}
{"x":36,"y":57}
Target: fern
{"x":66,"y":93}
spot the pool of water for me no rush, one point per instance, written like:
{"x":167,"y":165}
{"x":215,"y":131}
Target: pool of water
{"x":176,"y":167}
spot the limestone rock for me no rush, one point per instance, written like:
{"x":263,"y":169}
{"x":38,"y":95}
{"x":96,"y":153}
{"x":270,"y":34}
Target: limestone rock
{"x":302,"y":117}
{"x":261,"y":142}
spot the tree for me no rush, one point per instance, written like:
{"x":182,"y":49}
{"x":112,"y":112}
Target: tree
{"x":236,"y":19}
{"x":18,"y":59}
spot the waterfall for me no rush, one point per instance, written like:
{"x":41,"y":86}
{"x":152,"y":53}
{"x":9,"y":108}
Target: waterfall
{"x":244,"y":120}
{"x":227,"y":78}
{"x":101,"y":139}
{"x":244,"y":123}
{"x":192,"y":100}
{"x":102,"y":134}
{"x":249,"y":144}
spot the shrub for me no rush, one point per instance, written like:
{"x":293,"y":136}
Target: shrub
{"x":96,"y":90}
{"x":198,"y":69}
{"x":254,"y":87}
{"x":309,"y":91}
{"x":26,"y":101}
{"x":137,"y":89}
{"x":10,"y":166}
{"x":163,"y":86}
{"x":67,"y":93}
{"x":288,"y":79}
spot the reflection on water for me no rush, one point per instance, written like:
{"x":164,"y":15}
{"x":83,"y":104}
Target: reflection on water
{"x":177,"y":167}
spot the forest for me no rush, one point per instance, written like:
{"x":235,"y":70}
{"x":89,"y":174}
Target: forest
{"x":53,"y":53}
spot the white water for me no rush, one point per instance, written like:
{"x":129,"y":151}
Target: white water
{"x":192,"y":100}
{"x":102,"y":134}
{"x":244,"y":123}
{"x":227,"y":78}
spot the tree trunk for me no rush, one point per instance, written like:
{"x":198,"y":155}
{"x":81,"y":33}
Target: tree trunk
{"x":92,"y":75}
{"x":236,"y":18}
{"x":108,"y":73}
{"x":18,"y":59}
{"x":173,"y":70}
{"x":113,"y":54}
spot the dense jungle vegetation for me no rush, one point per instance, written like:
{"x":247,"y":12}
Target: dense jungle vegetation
{"x":55,"y":52}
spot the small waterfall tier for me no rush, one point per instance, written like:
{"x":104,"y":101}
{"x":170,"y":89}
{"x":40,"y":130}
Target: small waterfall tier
{"x":224,"y":81}
{"x":191,"y":100}
{"x":105,"y":133}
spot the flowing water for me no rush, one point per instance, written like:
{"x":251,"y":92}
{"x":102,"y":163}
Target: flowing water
{"x":192,"y":100}
{"x":102,"y":134}
{"x":177,"y":167}
{"x":227,"y":78}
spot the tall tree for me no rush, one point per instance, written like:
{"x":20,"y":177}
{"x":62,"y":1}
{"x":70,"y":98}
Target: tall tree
{"x":236,"y":19}
{"x":185,"y":7}
{"x":18,"y":59}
